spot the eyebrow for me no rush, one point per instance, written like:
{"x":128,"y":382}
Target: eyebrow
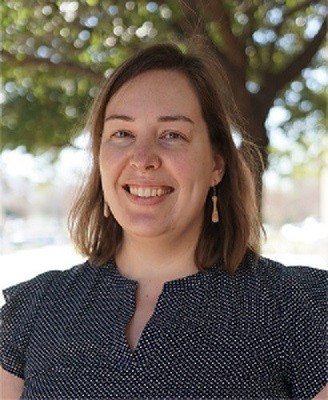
{"x":163,"y":118}
{"x":172,"y":118}
{"x":117,"y":116}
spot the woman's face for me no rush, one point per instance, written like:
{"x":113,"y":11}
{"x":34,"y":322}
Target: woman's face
{"x":156,"y":161}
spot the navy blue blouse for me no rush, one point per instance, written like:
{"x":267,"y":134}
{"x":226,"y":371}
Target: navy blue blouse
{"x":259,"y":334}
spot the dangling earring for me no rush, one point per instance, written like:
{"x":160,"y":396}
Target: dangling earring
{"x":106,"y":209}
{"x":215,"y":213}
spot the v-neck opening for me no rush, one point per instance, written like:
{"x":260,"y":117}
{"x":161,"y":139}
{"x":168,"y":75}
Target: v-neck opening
{"x":134,"y":353}
{"x":155,"y":331}
{"x":136,"y":349}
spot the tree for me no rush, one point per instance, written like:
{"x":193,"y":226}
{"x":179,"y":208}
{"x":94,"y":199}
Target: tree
{"x":56,"y":52}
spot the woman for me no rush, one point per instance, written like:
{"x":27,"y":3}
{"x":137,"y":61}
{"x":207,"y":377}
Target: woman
{"x":174,"y":301}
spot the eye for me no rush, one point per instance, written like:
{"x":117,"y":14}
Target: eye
{"x":121,"y":134}
{"x":172,"y":135}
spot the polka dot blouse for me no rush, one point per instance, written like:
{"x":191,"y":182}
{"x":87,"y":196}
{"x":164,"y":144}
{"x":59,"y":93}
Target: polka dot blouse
{"x":259,"y":334}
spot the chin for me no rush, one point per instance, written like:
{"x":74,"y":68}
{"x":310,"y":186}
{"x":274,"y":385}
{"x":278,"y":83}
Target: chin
{"x":144,"y":232}
{"x":149,"y":231}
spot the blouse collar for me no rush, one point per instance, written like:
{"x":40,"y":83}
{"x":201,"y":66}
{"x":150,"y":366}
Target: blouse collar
{"x":176,"y":285}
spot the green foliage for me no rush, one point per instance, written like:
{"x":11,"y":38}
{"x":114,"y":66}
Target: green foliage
{"x":45,"y":91}
{"x":56,"y":52}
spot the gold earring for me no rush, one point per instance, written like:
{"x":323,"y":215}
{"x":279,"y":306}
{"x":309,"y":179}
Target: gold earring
{"x":215,"y":212}
{"x":106,"y":209}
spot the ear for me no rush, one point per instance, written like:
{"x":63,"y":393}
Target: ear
{"x":218,"y":169}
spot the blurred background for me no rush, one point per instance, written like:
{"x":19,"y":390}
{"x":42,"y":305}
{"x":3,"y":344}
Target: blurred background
{"x":55,"y":53}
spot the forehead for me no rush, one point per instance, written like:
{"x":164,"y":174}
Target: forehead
{"x":167,"y":90}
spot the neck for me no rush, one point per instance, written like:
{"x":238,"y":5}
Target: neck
{"x":152,"y":261}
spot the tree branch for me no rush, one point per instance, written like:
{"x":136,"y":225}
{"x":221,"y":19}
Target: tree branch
{"x":193,"y":21}
{"x":278,"y":28}
{"x":298,"y":8}
{"x":251,"y":24}
{"x":30,"y":61}
{"x":275,"y":82}
{"x":232,"y":48}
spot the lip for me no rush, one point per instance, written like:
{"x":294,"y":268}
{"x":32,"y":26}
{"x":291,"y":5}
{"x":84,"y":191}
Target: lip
{"x":146,"y":183}
{"x":152,"y":200}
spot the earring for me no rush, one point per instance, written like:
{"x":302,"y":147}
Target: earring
{"x":106,"y":209}
{"x":215,"y":212}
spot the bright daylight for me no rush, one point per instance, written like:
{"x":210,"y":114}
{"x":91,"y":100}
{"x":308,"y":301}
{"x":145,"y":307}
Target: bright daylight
{"x":163,"y":199}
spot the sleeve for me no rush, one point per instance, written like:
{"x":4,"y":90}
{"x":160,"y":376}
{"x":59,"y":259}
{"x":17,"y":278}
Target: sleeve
{"x":16,"y":321}
{"x":303,"y":295}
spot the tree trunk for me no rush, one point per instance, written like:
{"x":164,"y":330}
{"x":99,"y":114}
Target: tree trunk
{"x":254,"y":118}
{"x":253,"y":112}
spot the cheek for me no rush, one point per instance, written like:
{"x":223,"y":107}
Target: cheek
{"x":200,"y":163}
{"x":103,"y":165}
{"x":110,"y":165}
{"x":191,"y":170}
{"x":181,"y":167}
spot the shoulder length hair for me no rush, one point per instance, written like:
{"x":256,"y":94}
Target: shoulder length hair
{"x":238,"y":231}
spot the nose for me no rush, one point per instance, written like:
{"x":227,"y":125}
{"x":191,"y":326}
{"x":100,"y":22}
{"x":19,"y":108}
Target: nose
{"x":145,"y":158}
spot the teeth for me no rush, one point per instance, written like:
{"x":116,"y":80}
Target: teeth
{"x":148,"y":191}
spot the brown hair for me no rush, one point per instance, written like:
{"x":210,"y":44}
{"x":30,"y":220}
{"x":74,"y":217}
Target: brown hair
{"x":238,"y":231}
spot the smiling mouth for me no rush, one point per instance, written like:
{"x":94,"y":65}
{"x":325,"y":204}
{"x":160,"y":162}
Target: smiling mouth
{"x":150,"y":191}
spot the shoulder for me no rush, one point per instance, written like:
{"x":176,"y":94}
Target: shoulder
{"x":39,"y":285}
{"x":294,"y":278}
{"x":299,"y":292}
{"x":26,"y":298}
{"x":289,"y":287}
{"x":25,"y":302}
{"x":300,"y":295}
{"x":284,"y":277}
